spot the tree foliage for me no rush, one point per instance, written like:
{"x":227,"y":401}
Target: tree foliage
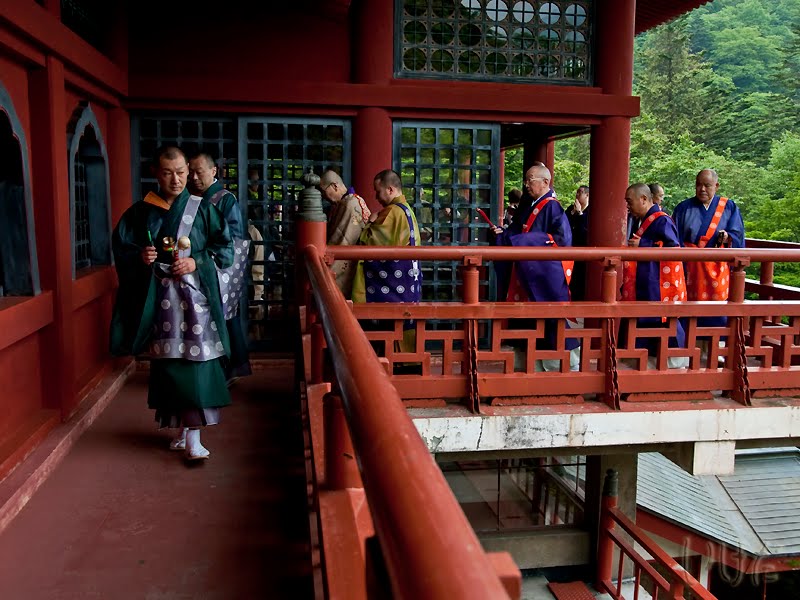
{"x":719,"y":88}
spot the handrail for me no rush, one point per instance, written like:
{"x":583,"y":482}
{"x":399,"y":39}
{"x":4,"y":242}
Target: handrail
{"x":428,"y":545}
{"x":565,"y":253}
{"x":758,"y":243}
{"x":676,"y":571}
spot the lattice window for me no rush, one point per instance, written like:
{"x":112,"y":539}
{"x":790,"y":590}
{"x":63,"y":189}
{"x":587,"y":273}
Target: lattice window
{"x":19,"y":275}
{"x":277,"y":153}
{"x":217,"y":136}
{"x":85,"y":17}
{"x":89,"y":193}
{"x":520,"y":40}
{"x":266,"y":157}
{"x":83,"y":238}
{"x":449,"y":170}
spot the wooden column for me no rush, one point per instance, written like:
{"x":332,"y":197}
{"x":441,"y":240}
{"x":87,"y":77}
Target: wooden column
{"x":373,"y":25}
{"x":372,"y":150}
{"x":118,"y":142}
{"x":610,"y":141}
{"x":53,"y":231}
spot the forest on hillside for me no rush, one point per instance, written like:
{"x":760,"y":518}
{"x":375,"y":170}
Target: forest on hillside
{"x":719,"y":88}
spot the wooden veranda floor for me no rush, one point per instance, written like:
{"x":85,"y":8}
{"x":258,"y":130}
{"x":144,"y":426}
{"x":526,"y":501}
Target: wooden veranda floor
{"x":124,"y":517}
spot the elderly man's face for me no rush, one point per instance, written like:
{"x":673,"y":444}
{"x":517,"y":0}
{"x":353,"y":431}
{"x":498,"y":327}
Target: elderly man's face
{"x":536,"y":184}
{"x":705,"y":187}
{"x":201,"y":175}
{"x":330,"y":192}
{"x":171,"y":176}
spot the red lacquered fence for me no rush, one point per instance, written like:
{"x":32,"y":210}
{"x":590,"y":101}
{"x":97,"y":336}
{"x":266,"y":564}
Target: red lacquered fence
{"x":669,"y":581}
{"x":426,"y":544}
{"x":428,"y":547}
{"x":756,"y":354}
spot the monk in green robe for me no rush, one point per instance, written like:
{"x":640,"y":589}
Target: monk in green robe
{"x":203,"y":182}
{"x":166,"y":248}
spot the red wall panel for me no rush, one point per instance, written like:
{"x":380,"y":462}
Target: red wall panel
{"x":91,"y":340}
{"x":20,"y":380}
{"x":255,"y":41}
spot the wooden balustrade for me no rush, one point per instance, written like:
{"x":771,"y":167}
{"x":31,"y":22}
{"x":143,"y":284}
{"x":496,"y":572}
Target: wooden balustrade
{"x":671,"y":580}
{"x":757,"y":353}
{"x":427,"y":545}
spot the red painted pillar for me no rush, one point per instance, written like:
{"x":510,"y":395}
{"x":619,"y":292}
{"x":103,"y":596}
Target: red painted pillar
{"x":610,"y":141}
{"x":118,"y":140}
{"x":373,"y":62}
{"x":500,"y":209}
{"x":373,"y":55}
{"x":372,"y":150}
{"x":550,"y":156}
{"x":605,"y":550}
{"x":53,"y":231}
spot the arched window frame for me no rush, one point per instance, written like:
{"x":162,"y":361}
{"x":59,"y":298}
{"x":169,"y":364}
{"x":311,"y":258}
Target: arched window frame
{"x":7,"y":107}
{"x":84,"y":117}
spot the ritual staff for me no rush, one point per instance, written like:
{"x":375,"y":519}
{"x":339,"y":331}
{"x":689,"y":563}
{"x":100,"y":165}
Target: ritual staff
{"x":708,"y":221}
{"x":167,"y":249}
{"x":539,"y":222}
{"x":390,"y":280}
{"x":653,"y":281}
{"x":233,"y":280}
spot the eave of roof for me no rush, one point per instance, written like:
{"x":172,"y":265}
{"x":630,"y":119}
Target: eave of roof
{"x":652,"y":13}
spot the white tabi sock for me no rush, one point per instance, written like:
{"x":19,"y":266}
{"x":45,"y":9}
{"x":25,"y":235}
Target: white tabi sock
{"x":179,"y":443}
{"x":194,"y":449}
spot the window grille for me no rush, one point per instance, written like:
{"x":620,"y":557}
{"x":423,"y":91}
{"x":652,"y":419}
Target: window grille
{"x":19,"y":274}
{"x":89,"y":194}
{"x":449,"y":170}
{"x":277,"y":152}
{"x":83,"y":238}
{"x":511,"y":40}
{"x":85,"y":17}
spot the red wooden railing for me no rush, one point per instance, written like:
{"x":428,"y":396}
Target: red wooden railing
{"x":433,"y":552}
{"x":757,"y":353}
{"x":671,"y":581}
{"x":428,"y":546}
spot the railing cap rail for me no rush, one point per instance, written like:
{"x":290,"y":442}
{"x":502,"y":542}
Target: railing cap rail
{"x":459,"y":253}
{"x":429,"y":546}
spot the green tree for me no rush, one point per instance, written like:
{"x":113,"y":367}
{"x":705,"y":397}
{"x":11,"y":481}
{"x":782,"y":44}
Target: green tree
{"x":755,"y":121}
{"x":679,"y":91}
{"x":513,"y":171}
{"x":741,"y":37}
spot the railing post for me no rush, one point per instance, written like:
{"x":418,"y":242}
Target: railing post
{"x":341,"y":470}
{"x":741,"y":392}
{"x":738,"y":266}
{"x":605,"y":546}
{"x":317,"y":352}
{"x":469,"y":279}
{"x":311,"y":230}
{"x":766,"y":273}
{"x":608,"y":292}
{"x":470,"y":295}
{"x":609,"y":286}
